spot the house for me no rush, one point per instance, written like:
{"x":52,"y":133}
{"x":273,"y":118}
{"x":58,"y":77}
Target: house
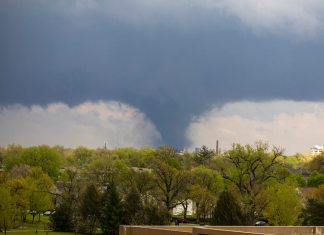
{"x":179,"y":210}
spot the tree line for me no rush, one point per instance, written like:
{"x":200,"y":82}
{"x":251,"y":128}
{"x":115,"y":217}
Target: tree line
{"x":86,"y":189}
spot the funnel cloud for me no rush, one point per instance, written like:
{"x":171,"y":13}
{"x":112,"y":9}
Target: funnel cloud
{"x":172,"y":60}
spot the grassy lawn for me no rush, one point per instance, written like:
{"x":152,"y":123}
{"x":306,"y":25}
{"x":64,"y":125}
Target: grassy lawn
{"x":30,"y":229}
{"x":37,"y":225}
{"x":43,"y":218}
{"x":37,"y":228}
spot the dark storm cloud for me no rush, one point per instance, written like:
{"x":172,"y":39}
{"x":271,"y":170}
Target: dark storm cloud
{"x":51,"y":54}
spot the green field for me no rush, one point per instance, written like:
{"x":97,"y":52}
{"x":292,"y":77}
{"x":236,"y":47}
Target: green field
{"x":36,"y":228}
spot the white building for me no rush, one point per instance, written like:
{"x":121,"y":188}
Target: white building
{"x":178,"y":210}
{"x":317,"y":150}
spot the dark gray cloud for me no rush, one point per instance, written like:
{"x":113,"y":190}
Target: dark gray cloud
{"x":175,"y":67}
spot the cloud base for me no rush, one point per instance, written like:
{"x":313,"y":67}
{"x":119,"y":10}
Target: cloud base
{"x":89,"y":124}
{"x":295,"y":126}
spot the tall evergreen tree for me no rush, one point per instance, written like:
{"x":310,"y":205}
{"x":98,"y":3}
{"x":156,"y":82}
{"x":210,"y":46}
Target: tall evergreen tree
{"x":313,"y":214}
{"x":90,"y":208}
{"x":133,"y":208}
{"x":203,"y":155}
{"x":62,"y":219}
{"x":227,"y":211}
{"x":111,"y":211}
{"x":156,"y":216}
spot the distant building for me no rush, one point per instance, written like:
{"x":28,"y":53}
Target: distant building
{"x":141,"y":169}
{"x":317,"y":150}
{"x":178,"y":210}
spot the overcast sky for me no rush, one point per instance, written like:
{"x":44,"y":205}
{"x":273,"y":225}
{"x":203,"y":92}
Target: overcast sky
{"x":152,"y":72}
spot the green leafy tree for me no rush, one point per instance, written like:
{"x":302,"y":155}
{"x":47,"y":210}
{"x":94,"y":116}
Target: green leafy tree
{"x":170,"y":182}
{"x":7,"y":209}
{"x":284,"y":205}
{"x":43,"y":156}
{"x":3,"y":177}
{"x":127,"y":154}
{"x":186,"y":159}
{"x":68,"y":190}
{"x":317,"y":164}
{"x":2,"y":156}
{"x":104,"y":169}
{"x":90,"y":208}
{"x":184,"y":199}
{"x":227,"y":211}
{"x":82,"y":155}
{"x":205,"y":201}
{"x":40,"y":185}
{"x":102,"y":152}
{"x":135,"y":157}
{"x":13,"y":150}
{"x":300,"y":179}
{"x":315,"y":179}
{"x":145,"y":157}
{"x":20,"y":170}
{"x":111,"y":211}
{"x":19,"y":191}
{"x":166,"y":152}
{"x":69,"y":185}
{"x":208,"y":178}
{"x":12,"y":156}
{"x":144,"y":183}
{"x":249,"y":169}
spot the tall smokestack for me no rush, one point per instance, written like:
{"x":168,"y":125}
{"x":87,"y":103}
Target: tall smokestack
{"x":216,"y":147}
